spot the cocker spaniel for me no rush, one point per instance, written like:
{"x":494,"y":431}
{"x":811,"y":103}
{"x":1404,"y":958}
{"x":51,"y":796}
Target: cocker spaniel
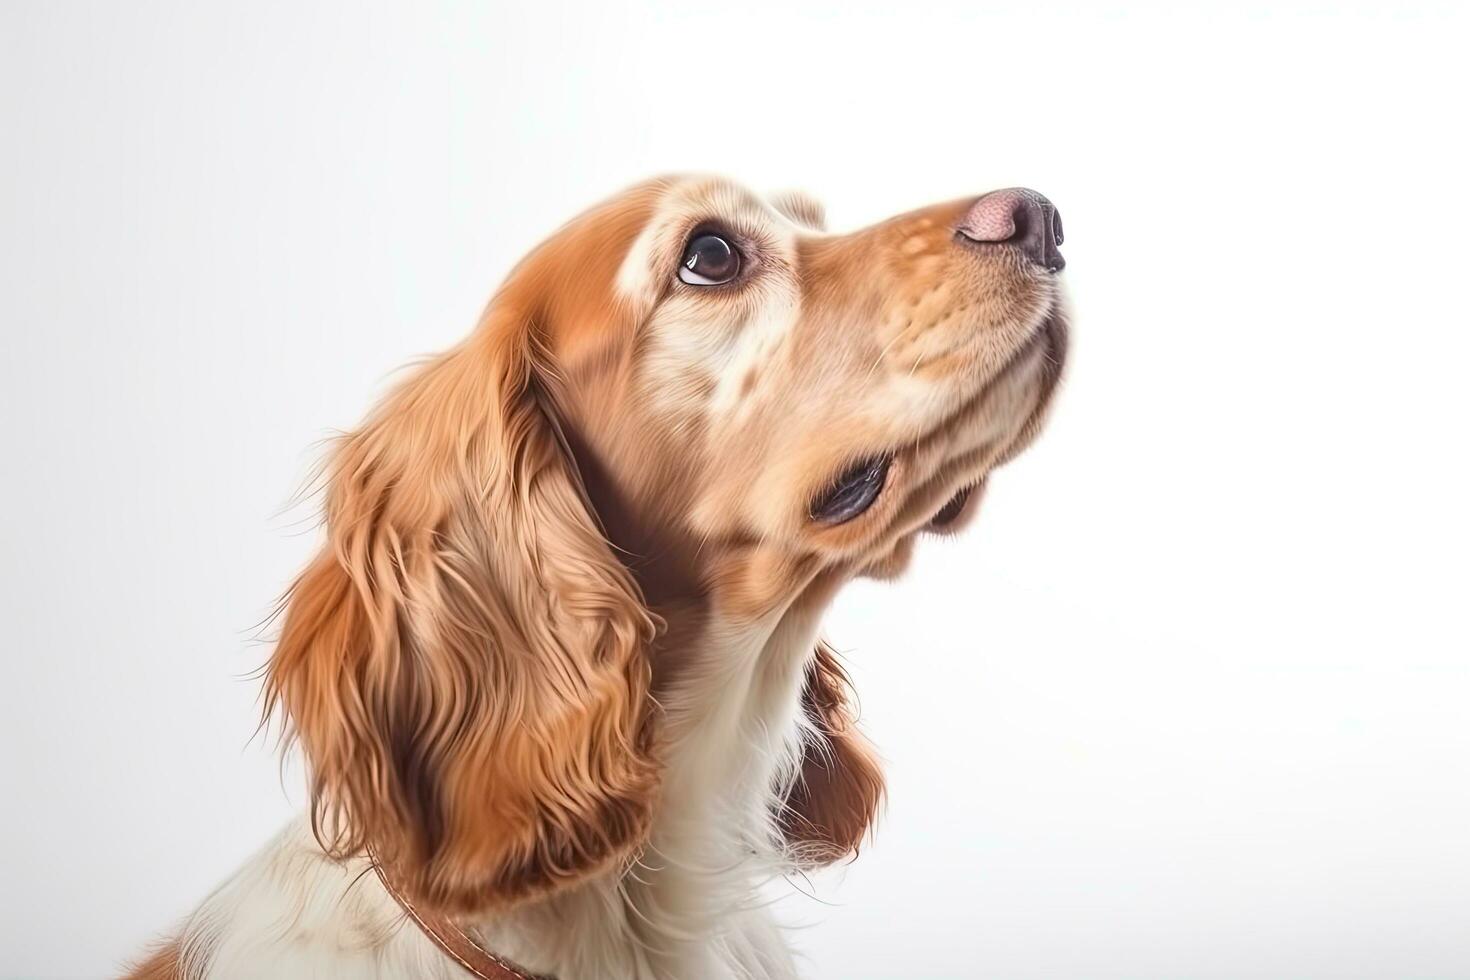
{"x":556,"y":672}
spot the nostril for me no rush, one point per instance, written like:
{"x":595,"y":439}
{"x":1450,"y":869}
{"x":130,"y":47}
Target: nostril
{"x":997,"y":217}
{"x":1020,"y":217}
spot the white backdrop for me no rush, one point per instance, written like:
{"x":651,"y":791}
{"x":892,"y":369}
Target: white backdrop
{"x":1189,"y":700}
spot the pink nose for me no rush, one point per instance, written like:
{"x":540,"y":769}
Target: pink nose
{"x":1021,"y":217}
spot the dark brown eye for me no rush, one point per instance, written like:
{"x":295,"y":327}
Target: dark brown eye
{"x":709,"y":260}
{"x":853,"y":493}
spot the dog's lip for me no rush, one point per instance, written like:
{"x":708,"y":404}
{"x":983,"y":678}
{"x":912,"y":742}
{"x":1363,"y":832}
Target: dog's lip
{"x":951,"y":510}
{"x":957,"y":512}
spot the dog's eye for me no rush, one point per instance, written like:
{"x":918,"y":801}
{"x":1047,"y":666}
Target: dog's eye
{"x":853,"y":493}
{"x":709,"y":260}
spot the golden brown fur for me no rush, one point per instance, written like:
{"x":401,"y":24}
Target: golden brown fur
{"x":465,"y":664}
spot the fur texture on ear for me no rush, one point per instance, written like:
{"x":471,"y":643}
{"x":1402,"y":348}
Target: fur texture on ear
{"x":834,"y":802}
{"x":465,"y":664}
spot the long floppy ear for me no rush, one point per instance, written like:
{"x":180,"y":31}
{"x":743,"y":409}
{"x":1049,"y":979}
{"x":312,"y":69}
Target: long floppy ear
{"x":833,"y":803}
{"x":465,"y":664}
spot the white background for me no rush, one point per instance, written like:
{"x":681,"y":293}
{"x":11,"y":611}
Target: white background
{"x":1188,"y":702}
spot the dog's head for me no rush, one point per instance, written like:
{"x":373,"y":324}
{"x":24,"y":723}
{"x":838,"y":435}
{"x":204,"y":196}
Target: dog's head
{"x":745,"y":384}
{"x":687,"y":396}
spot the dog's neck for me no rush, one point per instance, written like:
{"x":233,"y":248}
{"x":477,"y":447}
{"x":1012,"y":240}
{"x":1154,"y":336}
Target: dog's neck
{"x":730,"y":692}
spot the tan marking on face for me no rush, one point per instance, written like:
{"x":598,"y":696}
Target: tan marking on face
{"x":915,"y":246}
{"x":747,"y":383}
{"x":584,"y":318}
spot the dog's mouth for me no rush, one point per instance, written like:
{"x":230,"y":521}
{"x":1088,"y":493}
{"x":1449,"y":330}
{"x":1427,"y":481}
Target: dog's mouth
{"x":951,"y":511}
{"x":953,"y":514}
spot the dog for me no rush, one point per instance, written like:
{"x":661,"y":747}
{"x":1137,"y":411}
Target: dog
{"x":557,"y":673}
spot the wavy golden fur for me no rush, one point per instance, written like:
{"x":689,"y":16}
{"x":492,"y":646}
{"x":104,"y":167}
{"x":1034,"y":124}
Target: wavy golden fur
{"x":465,"y":663}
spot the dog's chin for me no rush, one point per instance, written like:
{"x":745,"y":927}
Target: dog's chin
{"x":1048,"y":348}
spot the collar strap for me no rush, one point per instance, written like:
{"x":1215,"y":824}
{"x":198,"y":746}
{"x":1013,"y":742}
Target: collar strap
{"x":454,"y":941}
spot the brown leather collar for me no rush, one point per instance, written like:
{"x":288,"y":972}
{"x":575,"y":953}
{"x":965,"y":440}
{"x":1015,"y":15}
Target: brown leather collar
{"x":448,"y":936}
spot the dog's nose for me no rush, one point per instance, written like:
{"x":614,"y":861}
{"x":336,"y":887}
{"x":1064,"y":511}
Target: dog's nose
{"x":1021,"y":217}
